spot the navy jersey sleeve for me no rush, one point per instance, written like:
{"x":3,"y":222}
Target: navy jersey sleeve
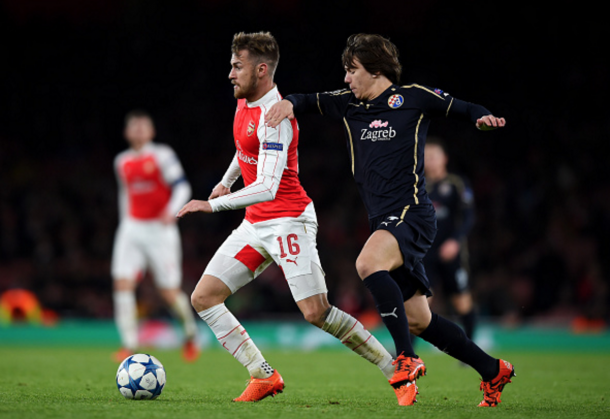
{"x":436,"y":102}
{"x":331,"y":104}
{"x":466,"y":209}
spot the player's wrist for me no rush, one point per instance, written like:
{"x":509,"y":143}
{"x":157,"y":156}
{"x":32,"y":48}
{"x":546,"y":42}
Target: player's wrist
{"x":215,"y":204}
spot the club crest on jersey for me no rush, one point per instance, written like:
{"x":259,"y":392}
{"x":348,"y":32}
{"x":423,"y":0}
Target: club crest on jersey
{"x":378,"y":124}
{"x":251,"y":128}
{"x":395,"y":101}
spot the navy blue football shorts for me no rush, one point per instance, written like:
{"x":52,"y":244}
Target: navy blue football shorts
{"x":414,"y":228}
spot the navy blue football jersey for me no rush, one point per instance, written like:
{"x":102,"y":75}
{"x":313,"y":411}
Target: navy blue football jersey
{"x":386,"y":138}
{"x":453,"y":201}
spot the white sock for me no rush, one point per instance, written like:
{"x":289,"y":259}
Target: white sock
{"x":234,"y":338}
{"x":353,"y":335}
{"x":125,"y":316}
{"x":183,"y":309}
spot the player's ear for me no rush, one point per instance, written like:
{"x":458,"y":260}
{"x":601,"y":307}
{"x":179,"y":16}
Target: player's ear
{"x":262,"y":70}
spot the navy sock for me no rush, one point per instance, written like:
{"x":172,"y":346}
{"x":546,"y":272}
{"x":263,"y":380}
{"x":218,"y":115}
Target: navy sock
{"x":468,"y":321}
{"x":390,"y":304}
{"x":451,"y":339}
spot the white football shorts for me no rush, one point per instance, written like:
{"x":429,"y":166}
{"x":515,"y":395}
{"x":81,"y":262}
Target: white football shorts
{"x":148,"y":245}
{"x":289,"y":242}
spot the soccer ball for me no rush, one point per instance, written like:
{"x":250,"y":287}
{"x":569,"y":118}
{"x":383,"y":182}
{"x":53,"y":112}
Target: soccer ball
{"x":140,"y":377}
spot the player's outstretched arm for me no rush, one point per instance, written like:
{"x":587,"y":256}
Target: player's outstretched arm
{"x":278,"y":112}
{"x":490,"y":122}
{"x":193,"y":206}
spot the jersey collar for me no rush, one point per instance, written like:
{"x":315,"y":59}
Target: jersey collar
{"x":268,"y":97}
{"x":382,"y":97}
{"x":145,"y":148}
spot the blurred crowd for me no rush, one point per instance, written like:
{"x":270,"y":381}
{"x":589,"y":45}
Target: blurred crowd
{"x":539,"y":248}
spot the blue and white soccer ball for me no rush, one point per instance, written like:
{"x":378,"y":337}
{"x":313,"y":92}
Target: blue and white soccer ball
{"x":140,"y":377}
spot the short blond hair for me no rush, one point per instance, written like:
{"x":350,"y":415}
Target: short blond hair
{"x":262,"y":47}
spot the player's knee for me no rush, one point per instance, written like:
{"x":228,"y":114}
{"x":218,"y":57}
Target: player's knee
{"x":169,"y":295}
{"x":364,"y":267}
{"x":419,"y":321}
{"x":314,"y":317}
{"x":202,"y":300}
{"x":123,"y":284}
{"x":416,"y":327}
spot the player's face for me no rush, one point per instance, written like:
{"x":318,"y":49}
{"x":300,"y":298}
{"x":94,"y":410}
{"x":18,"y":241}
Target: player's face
{"x":243,"y":75}
{"x":360,"y":81}
{"x":139,"y":131}
{"x":435,"y":159}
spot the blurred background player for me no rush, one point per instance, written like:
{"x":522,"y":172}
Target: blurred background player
{"x":152,"y":188}
{"x":446,"y":261}
{"x":280,"y":225}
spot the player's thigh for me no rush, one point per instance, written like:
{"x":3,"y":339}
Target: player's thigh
{"x":240,"y":259}
{"x":292,"y":245}
{"x":164,"y":256}
{"x":128,"y":257}
{"x":381,"y":252}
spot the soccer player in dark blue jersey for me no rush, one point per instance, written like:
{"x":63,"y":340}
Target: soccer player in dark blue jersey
{"x":446,"y":262}
{"x":385,"y":125}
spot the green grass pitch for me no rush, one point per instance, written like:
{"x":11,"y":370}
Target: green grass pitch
{"x":79,"y":383}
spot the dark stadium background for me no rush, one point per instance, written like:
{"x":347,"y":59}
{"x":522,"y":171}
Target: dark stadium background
{"x":70,"y":70}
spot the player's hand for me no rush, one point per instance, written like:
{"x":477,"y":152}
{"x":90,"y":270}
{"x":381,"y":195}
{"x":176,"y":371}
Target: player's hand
{"x":219,"y":190}
{"x":449,"y":250}
{"x":195,"y":206}
{"x":489,"y":122}
{"x":278,"y":112}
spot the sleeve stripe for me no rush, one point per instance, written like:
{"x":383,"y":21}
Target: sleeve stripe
{"x":449,"y":107}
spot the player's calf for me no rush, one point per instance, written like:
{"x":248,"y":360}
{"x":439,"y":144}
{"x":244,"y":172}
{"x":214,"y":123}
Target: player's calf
{"x":354,"y":336}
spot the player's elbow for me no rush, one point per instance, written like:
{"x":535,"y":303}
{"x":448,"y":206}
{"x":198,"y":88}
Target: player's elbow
{"x":271,"y":187}
{"x":272,"y":194}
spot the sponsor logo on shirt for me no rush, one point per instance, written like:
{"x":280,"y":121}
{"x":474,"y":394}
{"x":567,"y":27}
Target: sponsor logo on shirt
{"x":243,"y":156}
{"x":378,"y":124}
{"x":251,"y":128}
{"x":377,"y":134}
{"x":395,"y":101}
{"x":273,"y":146}
{"x":141,"y":186}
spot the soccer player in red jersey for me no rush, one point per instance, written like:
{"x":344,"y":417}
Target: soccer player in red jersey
{"x":280,"y":225}
{"x":152,"y":187}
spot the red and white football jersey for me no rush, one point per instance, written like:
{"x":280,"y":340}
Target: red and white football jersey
{"x":146,"y":182}
{"x":267,"y":159}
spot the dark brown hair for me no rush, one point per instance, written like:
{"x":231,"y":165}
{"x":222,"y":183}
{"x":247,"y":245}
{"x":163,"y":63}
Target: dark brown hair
{"x":262,"y":47}
{"x":376,"y":54}
{"x":137,"y":113}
